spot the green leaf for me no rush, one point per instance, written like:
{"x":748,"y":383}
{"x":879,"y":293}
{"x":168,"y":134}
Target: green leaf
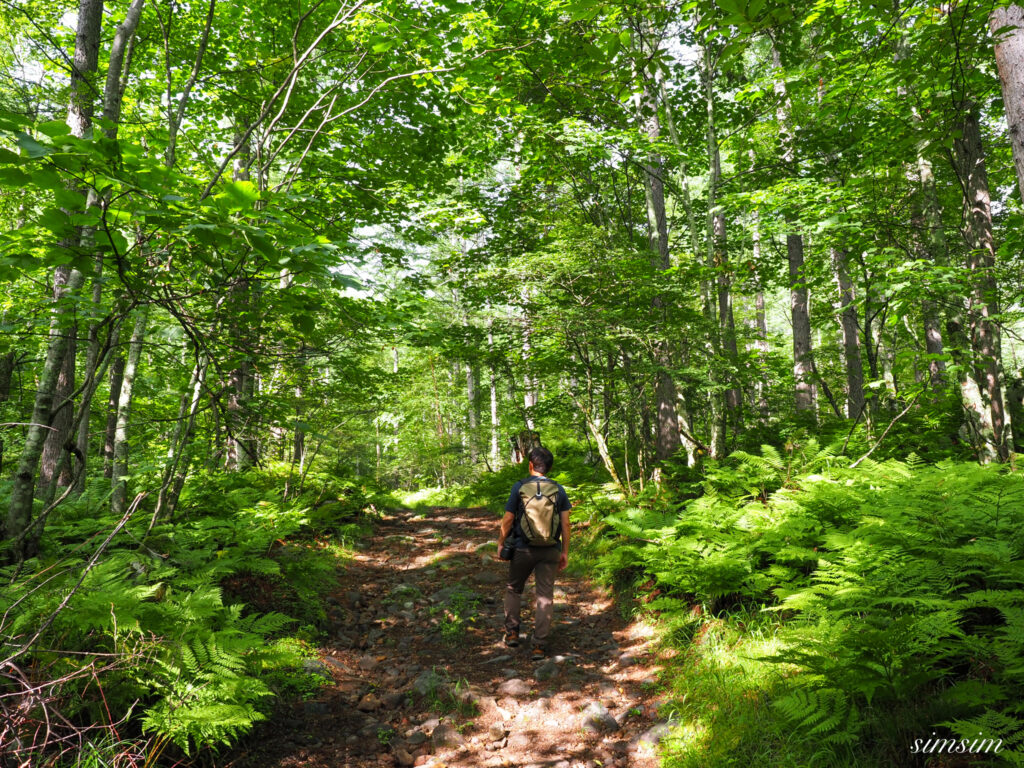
{"x":54,"y":128}
{"x":32,"y":147}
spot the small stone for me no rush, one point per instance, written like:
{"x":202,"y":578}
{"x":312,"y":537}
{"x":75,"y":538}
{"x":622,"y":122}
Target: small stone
{"x":415,"y":738}
{"x":353,"y":599}
{"x":369,"y":703}
{"x":496,"y":731}
{"x":445,"y":735}
{"x":427,"y":683}
{"x":394,"y":700}
{"x":626,"y":660}
{"x":499,"y":659}
{"x":519,"y":741}
{"x":651,"y":737}
{"x":547,"y":671}
{"x":514,"y":687}
{"x":403,"y":757}
{"x":367,"y":663}
{"x":597,"y":718}
{"x":317,"y":667}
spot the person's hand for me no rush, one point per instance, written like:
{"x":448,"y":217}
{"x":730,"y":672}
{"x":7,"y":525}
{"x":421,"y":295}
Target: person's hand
{"x":563,"y":561}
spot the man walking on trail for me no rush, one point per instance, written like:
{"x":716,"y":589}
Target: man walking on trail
{"x":537,"y":520}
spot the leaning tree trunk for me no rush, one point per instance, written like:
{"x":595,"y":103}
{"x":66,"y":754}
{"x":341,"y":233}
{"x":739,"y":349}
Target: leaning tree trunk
{"x":984,"y":332}
{"x":119,"y":483}
{"x":80,"y":111}
{"x":112,"y":94}
{"x":59,"y":435}
{"x":1007,"y":26}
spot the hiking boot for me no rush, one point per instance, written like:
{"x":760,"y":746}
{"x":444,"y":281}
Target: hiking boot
{"x":512,"y":638}
{"x":539,"y":653}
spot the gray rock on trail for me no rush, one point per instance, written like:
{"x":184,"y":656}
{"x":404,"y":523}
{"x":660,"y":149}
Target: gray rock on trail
{"x":415,"y":738}
{"x":488,"y":577}
{"x":514,"y":687}
{"x":651,"y":737}
{"x":547,"y":671}
{"x":496,"y":731}
{"x":626,"y":660}
{"x":427,"y":683}
{"x":317,"y":667}
{"x":404,"y":758}
{"x":445,"y":735}
{"x":367,"y":663}
{"x":519,"y":741}
{"x":444,"y":595}
{"x":369,"y":703}
{"x":597,"y":719}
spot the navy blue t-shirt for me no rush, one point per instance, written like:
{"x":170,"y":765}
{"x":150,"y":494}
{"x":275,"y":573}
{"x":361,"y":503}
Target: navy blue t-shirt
{"x":515,"y":506}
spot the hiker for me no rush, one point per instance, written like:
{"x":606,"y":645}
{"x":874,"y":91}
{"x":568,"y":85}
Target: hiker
{"x":536,"y":524}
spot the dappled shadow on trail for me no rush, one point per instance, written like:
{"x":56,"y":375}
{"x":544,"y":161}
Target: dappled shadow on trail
{"x":419,"y":675}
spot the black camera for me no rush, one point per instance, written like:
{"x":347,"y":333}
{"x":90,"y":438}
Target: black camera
{"x":508,"y":551}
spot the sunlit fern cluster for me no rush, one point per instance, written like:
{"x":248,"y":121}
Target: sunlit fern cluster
{"x":901,"y":585}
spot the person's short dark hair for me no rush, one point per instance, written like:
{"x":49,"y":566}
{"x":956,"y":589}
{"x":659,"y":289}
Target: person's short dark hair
{"x":542,"y":459}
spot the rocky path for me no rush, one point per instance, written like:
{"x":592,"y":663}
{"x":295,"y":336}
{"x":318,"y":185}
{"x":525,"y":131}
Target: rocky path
{"x":419,"y":675}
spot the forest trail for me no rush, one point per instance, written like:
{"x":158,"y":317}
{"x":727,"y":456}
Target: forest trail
{"x":420,"y":676}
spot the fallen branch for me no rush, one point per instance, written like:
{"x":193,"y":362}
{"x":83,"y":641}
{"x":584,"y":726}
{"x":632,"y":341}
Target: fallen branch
{"x":899,"y":415}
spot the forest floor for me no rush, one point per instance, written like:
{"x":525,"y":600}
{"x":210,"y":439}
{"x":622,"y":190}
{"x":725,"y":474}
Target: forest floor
{"x":418,"y":673}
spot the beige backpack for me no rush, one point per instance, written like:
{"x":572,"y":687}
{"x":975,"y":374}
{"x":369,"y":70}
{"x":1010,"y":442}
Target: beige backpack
{"x":540,"y":520}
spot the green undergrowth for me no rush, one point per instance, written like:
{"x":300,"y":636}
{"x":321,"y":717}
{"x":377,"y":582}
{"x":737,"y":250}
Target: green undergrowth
{"x":813,"y":614}
{"x":198,"y":625}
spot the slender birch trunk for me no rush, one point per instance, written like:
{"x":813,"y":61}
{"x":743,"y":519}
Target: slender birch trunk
{"x":718,"y":262}
{"x":934,"y":249}
{"x":851,"y":337}
{"x":119,"y":482}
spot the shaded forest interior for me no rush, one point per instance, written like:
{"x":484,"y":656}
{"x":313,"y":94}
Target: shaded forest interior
{"x":753,"y":271}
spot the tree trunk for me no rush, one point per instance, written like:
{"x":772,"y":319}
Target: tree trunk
{"x":1007,"y":27}
{"x":851,"y":337}
{"x":667,"y":437}
{"x":112,"y":93}
{"x":934,"y":249}
{"x":984,"y":332}
{"x":495,"y":426}
{"x":114,"y":393}
{"x":119,"y":482}
{"x":80,"y":111}
{"x":178,"y":454}
{"x":59,"y":436}
{"x":19,"y":513}
{"x":471,"y":405}
{"x":802,"y":363}
{"x":718,"y":261}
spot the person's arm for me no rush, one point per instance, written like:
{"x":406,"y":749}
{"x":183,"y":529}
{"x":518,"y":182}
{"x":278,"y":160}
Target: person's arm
{"x":563,"y":559}
{"x":506,"y":528}
{"x":510,"y":516}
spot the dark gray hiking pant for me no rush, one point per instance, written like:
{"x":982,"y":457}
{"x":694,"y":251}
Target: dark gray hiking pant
{"x":542,"y":562}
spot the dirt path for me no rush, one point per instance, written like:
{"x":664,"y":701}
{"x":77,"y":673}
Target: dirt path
{"x":420,"y":675}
